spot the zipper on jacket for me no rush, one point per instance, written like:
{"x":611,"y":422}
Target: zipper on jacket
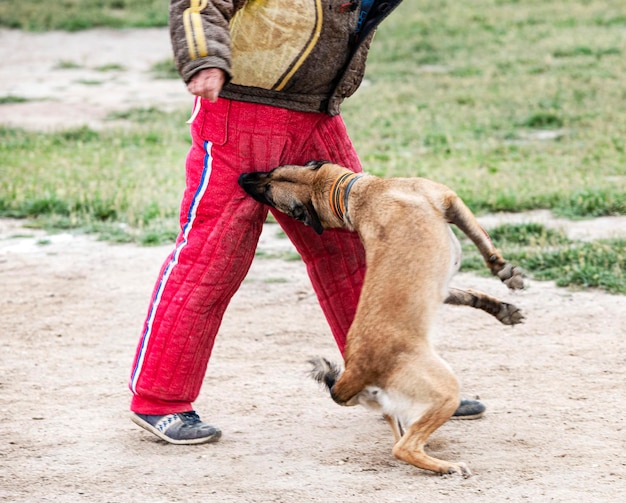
{"x":366,"y":6}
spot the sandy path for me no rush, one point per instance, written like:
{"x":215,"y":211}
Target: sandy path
{"x":71,"y":312}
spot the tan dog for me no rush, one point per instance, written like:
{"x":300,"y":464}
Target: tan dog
{"x":411,"y":255}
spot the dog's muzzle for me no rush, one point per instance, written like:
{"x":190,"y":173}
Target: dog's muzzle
{"x":254,"y":184}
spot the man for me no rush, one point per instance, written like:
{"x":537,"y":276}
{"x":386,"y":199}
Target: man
{"x":269,"y":77}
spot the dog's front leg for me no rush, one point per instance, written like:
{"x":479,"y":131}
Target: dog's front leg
{"x":459,"y":214}
{"x":507,"y":314}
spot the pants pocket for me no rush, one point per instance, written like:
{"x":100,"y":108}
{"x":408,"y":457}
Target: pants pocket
{"x":212,"y":120}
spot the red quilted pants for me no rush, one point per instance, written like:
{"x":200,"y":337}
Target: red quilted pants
{"x":220,"y":228}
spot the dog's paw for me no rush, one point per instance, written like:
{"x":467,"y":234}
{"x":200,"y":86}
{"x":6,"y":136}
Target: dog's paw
{"x":512,"y":276}
{"x":460,"y":469}
{"x":509,"y":314}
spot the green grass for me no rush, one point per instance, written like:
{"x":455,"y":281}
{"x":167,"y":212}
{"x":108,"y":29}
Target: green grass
{"x":287,"y":256}
{"x":122,"y":184}
{"x":165,"y":69}
{"x":6,"y":100}
{"x":75,"y":15}
{"x":516,"y":104}
{"x":65,"y":64}
{"x":90,"y":82}
{"x":111,"y":67}
{"x":546,"y":254}
{"x":496,"y":99}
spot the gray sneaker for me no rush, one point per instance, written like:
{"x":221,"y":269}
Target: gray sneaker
{"x":469,"y":409}
{"x":183,"y":428}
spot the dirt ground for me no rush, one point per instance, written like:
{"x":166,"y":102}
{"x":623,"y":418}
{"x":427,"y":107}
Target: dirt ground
{"x":71,"y":310}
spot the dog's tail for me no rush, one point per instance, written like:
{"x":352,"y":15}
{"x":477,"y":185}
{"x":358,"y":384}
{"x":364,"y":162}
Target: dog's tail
{"x":325,"y":372}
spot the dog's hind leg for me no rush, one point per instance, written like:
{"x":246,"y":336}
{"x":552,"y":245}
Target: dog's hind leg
{"x":410,"y":448}
{"x":396,"y":427}
{"x":505,"y":313}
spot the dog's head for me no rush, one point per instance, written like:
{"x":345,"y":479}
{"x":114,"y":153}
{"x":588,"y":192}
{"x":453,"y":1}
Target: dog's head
{"x":297,"y":191}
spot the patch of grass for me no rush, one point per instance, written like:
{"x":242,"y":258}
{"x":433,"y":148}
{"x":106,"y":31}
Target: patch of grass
{"x":138,"y":115}
{"x":292,"y":256}
{"x":600,"y":264}
{"x":288,"y":256}
{"x":111,"y":67}
{"x":591,"y":203}
{"x":528,"y":234}
{"x":97,"y":180}
{"x":572,"y":52}
{"x":66,"y":65}
{"x":505,"y":74}
{"x":75,"y":15}
{"x":543,"y":120}
{"x":7,"y":100}
{"x":276,"y":280}
{"x":158,"y":236}
{"x":90,"y":82}
{"x":165,"y":70}
{"x":546,"y":254}
{"x":80,"y":135}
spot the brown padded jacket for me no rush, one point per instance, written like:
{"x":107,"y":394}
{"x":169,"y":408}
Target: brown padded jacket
{"x":305,"y":55}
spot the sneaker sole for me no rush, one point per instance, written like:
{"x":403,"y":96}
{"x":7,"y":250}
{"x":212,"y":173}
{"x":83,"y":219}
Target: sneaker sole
{"x":192,"y":441}
{"x":469,"y":416}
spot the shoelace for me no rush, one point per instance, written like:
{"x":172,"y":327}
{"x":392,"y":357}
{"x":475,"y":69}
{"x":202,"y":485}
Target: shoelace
{"x":189,"y":418}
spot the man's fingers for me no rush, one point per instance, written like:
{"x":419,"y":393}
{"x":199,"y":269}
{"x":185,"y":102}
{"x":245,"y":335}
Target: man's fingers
{"x":204,"y":89}
{"x":207,"y":83}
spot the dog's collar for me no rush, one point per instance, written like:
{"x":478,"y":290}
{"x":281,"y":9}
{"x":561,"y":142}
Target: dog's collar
{"x":339,"y":192}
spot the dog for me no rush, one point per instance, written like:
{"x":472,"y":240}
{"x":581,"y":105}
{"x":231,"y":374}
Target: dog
{"x":411,"y":255}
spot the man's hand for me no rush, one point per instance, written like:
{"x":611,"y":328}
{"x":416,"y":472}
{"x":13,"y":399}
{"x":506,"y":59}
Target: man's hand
{"x":207,"y":83}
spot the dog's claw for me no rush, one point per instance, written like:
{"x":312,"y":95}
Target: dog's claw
{"x":512,"y":276}
{"x":465,"y":471}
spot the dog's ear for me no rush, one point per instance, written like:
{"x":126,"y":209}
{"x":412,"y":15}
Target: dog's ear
{"x":306,"y":214}
{"x":313,"y":219}
{"x":316,"y":164}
